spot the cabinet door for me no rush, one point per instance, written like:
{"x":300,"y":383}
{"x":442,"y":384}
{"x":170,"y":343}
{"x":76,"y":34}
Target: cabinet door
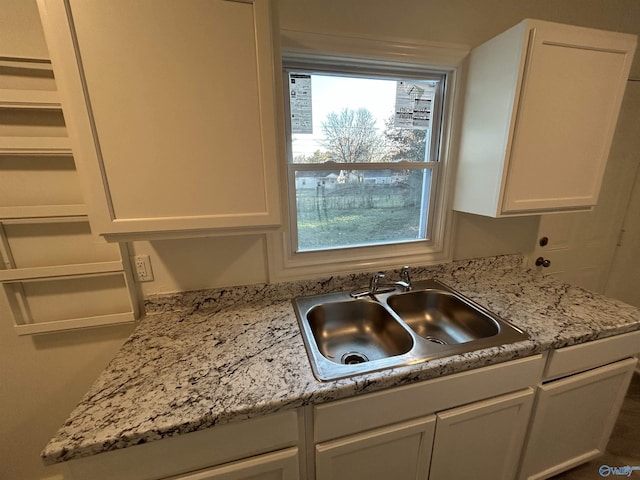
{"x":574,"y":418}
{"x":273,"y":466}
{"x":569,"y":102}
{"x":171,"y":111}
{"x":401,"y":452}
{"x":482,"y":440}
{"x":540,"y":110}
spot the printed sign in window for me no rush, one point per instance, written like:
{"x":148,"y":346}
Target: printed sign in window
{"x":414,"y":104}
{"x":300,"y":103}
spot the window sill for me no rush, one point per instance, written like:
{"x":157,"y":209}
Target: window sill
{"x":284,"y":266}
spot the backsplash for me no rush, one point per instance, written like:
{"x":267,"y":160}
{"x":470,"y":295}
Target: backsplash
{"x":220,"y":298}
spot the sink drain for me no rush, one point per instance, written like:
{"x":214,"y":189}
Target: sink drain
{"x":437,"y":340}
{"x":353,"y":358}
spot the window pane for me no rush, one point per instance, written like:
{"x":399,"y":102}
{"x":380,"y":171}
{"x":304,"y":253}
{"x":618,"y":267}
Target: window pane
{"x":354,"y":119}
{"x":346,"y":208}
{"x":350,"y":131}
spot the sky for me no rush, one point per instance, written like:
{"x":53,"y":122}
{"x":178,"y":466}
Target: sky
{"x":333,"y":94}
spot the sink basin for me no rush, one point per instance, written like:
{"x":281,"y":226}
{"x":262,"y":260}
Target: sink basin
{"x":442,"y":317}
{"x":346,"y":337}
{"x":357,"y":331}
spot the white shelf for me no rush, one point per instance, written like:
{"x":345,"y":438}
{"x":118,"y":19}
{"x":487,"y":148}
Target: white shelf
{"x":25,"y":62}
{"x":43,"y":219}
{"x":87,"y":308}
{"x":30,"y":99}
{"x":42,"y":211}
{"x":35,"y":146}
{"x":13,"y":275}
{"x":75,"y":323}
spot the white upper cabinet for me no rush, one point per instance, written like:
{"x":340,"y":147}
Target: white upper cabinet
{"x":540,"y":111}
{"x":170,"y":106}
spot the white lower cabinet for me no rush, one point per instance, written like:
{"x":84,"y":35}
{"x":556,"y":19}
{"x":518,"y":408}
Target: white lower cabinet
{"x":503,"y":422}
{"x":482,"y":440}
{"x":467,"y":425}
{"x":400,"y":451}
{"x":573,"y":419}
{"x":272,"y":466}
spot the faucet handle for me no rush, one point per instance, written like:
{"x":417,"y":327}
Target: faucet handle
{"x":405,"y":276}
{"x":375,"y":279}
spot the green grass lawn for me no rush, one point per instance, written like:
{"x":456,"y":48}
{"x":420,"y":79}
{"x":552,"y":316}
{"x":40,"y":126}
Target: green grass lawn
{"x":364,"y":215}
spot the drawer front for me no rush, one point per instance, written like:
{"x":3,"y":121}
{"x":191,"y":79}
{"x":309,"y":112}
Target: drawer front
{"x":192,"y":451}
{"x":585,"y":356}
{"x":358,"y":414}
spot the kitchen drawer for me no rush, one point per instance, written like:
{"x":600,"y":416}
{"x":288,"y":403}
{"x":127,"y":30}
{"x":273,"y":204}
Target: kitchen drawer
{"x":358,"y":414}
{"x":585,"y":356}
{"x":192,"y":451}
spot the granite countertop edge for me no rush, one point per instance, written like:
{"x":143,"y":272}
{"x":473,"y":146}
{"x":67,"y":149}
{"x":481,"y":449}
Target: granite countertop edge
{"x":199,"y":359}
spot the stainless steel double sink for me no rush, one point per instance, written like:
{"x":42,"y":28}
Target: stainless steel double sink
{"x":345,"y":336}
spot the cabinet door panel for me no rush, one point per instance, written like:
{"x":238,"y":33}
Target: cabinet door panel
{"x":171,"y":111}
{"x":574,"y":418}
{"x":273,"y":466}
{"x":541,"y":107}
{"x":567,"y":114}
{"x":401,"y":452}
{"x":482,"y":440}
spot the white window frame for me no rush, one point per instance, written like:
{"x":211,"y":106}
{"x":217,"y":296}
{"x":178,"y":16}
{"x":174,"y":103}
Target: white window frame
{"x":387,"y":72}
{"x":359,"y":52}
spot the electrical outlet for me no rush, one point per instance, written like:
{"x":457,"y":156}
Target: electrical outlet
{"x":142,"y":266}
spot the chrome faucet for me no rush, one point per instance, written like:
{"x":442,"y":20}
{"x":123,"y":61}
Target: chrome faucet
{"x":405,"y":277}
{"x":376,"y":286}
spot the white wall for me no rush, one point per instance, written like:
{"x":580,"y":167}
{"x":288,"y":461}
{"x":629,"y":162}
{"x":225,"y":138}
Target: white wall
{"x":196,"y":263}
{"x":624,"y":280}
{"x":41,"y":378}
{"x":454,"y":21}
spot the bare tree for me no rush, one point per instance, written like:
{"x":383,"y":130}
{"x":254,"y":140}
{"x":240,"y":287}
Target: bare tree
{"x":351,"y":137}
{"x":404,"y":143}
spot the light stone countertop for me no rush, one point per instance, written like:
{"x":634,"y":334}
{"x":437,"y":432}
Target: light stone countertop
{"x":204,"y":358}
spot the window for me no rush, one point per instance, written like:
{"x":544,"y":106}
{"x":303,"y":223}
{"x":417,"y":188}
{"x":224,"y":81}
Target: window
{"x":363,"y":156}
{"x":368,"y":139}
